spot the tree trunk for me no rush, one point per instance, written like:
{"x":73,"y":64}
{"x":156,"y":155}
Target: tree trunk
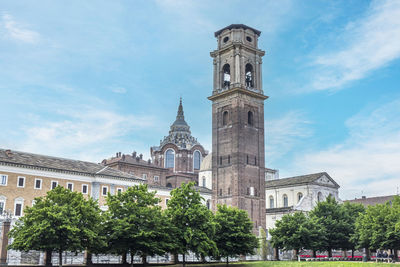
{"x":60,"y":258}
{"x":203,"y":259}
{"x":396,"y":256}
{"x":144,"y":260}
{"x":47,"y":257}
{"x":276,"y":254}
{"x":176,"y":258}
{"x":131,"y":258}
{"x":184,"y":260}
{"x":88,"y":258}
{"x":330,"y":253}
{"x":227,"y":261}
{"x":345,"y":254}
{"x":124,"y":260}
{"x":314,"y":253}
{"x":352,"y":254}
{"x":367,"y":252}
{"x":295,"y":253}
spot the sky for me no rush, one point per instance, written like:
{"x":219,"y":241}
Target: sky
{"x":87,"y":79}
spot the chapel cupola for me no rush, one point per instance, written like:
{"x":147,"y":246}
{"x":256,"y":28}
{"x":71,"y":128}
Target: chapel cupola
{"x":237,"y":61}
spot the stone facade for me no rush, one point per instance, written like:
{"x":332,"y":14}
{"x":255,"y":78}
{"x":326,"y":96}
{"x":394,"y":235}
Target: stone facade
{"x":238,"y":123}
{"x":92,"y":179}
{"x":300,"y":193}
{"x":135,"y":165}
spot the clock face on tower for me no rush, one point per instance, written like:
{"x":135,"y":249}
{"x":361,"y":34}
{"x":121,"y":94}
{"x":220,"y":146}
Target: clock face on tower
{"x":238,"y":168}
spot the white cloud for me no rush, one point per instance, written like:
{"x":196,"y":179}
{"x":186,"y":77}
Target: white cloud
{"x":368,"y":160}
{"x":17,"y":32}
{"x":365,"y":45}
{"x":283,"y":133}
{"x":87,"y":134}
{"x":118,"y":89}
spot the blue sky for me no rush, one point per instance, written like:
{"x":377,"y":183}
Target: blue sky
{"x":84,"y":80}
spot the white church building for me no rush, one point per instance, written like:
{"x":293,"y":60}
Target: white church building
{"x":286,"y":195}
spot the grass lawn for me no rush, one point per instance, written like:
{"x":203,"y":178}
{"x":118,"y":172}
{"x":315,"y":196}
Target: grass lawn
{"x":318,"y":264}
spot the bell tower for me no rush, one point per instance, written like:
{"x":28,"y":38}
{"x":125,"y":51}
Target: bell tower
{"x":238,"y":164}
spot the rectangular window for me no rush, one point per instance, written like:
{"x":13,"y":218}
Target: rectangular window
{"x":144,"y":176}
{"x":119,"y":190}
{"x":251,"y":191}
{"x":104,"y":190}
{"x":166,"y":201}
{"x":84,"y":189}
{"x":1,"y":207}
{"x":229,"y":159}
{"x":156,"y":178}
{"x":54,"y":184}
{"x":3,"y":179}
{"x":21,"y":182}
{"x":38,"y":183}
{"x":70,"y":186}
{"x":18,"y":209}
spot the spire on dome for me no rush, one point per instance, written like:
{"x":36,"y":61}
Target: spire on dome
{"x":180,"y":119}
{"x":179,"y":133}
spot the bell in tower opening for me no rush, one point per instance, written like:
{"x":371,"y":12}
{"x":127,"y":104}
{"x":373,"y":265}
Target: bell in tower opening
{"x":238,"y":164}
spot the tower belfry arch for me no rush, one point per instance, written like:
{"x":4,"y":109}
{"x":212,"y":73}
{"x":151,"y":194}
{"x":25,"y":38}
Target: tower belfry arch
{"x":238,"y":164}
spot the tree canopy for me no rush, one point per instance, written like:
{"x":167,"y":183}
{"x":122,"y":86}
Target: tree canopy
{"x":192,"y":226}
{"x":60,"y":221}
{"x":136,"y":223}
{"x":234,"y":232}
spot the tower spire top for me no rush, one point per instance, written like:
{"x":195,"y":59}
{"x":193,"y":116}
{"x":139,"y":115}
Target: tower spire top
{"x":180,"y":114}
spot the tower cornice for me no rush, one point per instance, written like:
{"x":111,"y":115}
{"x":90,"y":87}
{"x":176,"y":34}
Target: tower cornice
{"x":236,"y":44}
{"x":237,"y":90}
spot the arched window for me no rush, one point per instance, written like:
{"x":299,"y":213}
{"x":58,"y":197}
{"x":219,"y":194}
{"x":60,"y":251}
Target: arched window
{"x":285,"y":201}
{"x":249,"y":79}
{"x":319,"y":197}
{"x":299,"y":196}
{"x":271,"y":202}
{"x":204,"y":181}
{"x":170,"y":158}
{"x":225,"y":118}
{"x":226,"y":69}
{"x":250,"y":118}
{"x":196,"y":160}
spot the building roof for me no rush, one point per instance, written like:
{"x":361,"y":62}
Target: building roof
{"x":131,"y":160}
{"x":56,"y":164}
{"x":179,"y":133}
{"x":368,"y":201}
{"x":298,"y":180}
{"x":237,"y":26}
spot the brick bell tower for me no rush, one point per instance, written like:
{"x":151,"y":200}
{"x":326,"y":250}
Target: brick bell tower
{"x":238,"y":164}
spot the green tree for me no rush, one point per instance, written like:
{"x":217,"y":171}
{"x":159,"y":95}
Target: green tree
{"x":60,"y":221}
{"x":193,"y":228}
{"x":351,"y":212}
{"x":136,"y":223}
{"x":234,"y":233}
{"x":295,"y":232}
{"x":376,"y":228}
{"x":331,"y":218}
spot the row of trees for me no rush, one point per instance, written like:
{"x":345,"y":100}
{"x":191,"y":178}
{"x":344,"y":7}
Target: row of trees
{"x":331,"y":225}
{"x":134,"y":223}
